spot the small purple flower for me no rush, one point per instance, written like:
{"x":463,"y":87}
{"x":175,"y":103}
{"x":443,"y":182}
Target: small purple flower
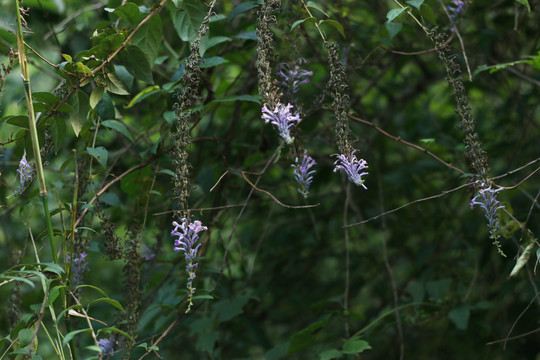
{"x":106,"y":346}
{"x":188,"y":236}
{"x":291,"y":78}
{"x":79,"y":267}
{"x":26,"y":175}
{"x":282,"y":118}
{"x":302,"y":173}
{"x":455,"y":8}
{"x":352,"y":167}
{"x":487,"y":199}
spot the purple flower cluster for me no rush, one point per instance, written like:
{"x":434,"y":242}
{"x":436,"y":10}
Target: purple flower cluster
{"x":188,"y":236}
{"x":26,"y":175}
{"x":487,"y":200}
{"x":302,"y":173}
{"x":107,"y":346}
{"x":455,"y":8}
{"x":292,"y":78}
{"x":352,"y":168}
{"x":281,"y":117}
{"x":79,"y":266}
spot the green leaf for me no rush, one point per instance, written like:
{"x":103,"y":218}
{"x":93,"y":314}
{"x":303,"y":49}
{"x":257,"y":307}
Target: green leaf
{"x":355,"y":346}
{"x":117,"y":126}
{"x":53,"y":294}
{"x":525,"y":3}
{"x":394,"y":13}
{"x":315,"y":6}
{"x":253,"y":98}
{"x":529,"y":241}
{"x":209,"y":42}
{"x":213,"y":61}
{"x":304,"y":338}
{"x":58,"y":132}
{"x":494,"y":68}
{"x":298,"y":22}
{"x":230,"y":308}
{"x":96,"y":95}
{"x":114,"y":303}
{"x":136,"y":63}
{"x":437,"y":288}
{"x":129,"y":12}
{"x":460,"y":316}
{"x":116,"y":86}
{"x":25,"y":337}
{"x":416,"y":3}
{"x":334,"y":24}
{"x":143,"y":95}
{"x":188,"y":21}
{"x":105,"y":107}
{"x":16,"y":120}
{"x":330,"y":354}
{"x":393,"y":29}
{"x":79,"y":103}
{"x":149,"y":38}
{"x":100,"y":154}
{"x":46,"y":98}
{"x":427,"y":13}
{"x":243,"y":7}
{"x":72,"y":334}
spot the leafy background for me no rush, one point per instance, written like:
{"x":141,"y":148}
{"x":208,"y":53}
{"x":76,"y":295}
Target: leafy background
{"x":274,"y":281}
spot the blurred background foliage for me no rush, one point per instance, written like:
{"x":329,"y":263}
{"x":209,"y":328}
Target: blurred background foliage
{"x":277,"y":282}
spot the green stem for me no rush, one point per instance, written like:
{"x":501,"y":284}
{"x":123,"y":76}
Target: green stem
{"x":33,"y":130}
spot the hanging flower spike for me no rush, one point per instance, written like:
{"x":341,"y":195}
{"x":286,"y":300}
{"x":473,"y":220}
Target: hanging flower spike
{"x":107,"y":346}
{"x":487,"y":199}
{"x":282,"y":118}
{"x":293,"y":78}
{"x":79,"y":267}
{"x":302,"y":174}
{"x":352,"y":167}
{"x":188,"y":236}
{"x":456,"y":8}
{"x":26,"y":174}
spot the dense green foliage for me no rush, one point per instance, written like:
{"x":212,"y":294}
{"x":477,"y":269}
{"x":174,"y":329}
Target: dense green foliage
{"x":150,"y":112}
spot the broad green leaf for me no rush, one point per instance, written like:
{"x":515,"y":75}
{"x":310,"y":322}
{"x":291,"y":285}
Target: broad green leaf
{"x":188,"y":21}
{"x":79,"y":103}
{"x":355,"y":346}
{"x":25,"y":337}
{"x":143,"y":95}
{"x":304,"y":338}
{"x":393,"y":29}
{"x":529,"y":243}
{"x":427,"y":13}
{"x":209,"y":42}
{"x":72,"y":334}
{"x":96,"y":95}
{"x":58,"y":132}
{"x":394,"y":13}
{"x":315,"y":6}
{"x":243,"y":7}
{"x":330,"y":354}
{"x":115,"y":85}
{"x":53,"y":294}
{"x":149,"y":38}
{"x":298,"y":22}
{"x":229,"y":308}
{"x":460,"y":316}
{"x":100,"y":154}
{"x":213,"y":61}
{"x":437,"y":288}
{"x":117,"y":126}
{"x":112,"y":329}
{"x":136,"y":63}
{"x":416,"y":3}
{"x":334,"y":24}
{"x":17,"y":120}
{"x":253,"y":98}
{"x":130,"y":13}
{"x":525,"y":3}
{"x":105,"y":107}
{"x":46,"y":98}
